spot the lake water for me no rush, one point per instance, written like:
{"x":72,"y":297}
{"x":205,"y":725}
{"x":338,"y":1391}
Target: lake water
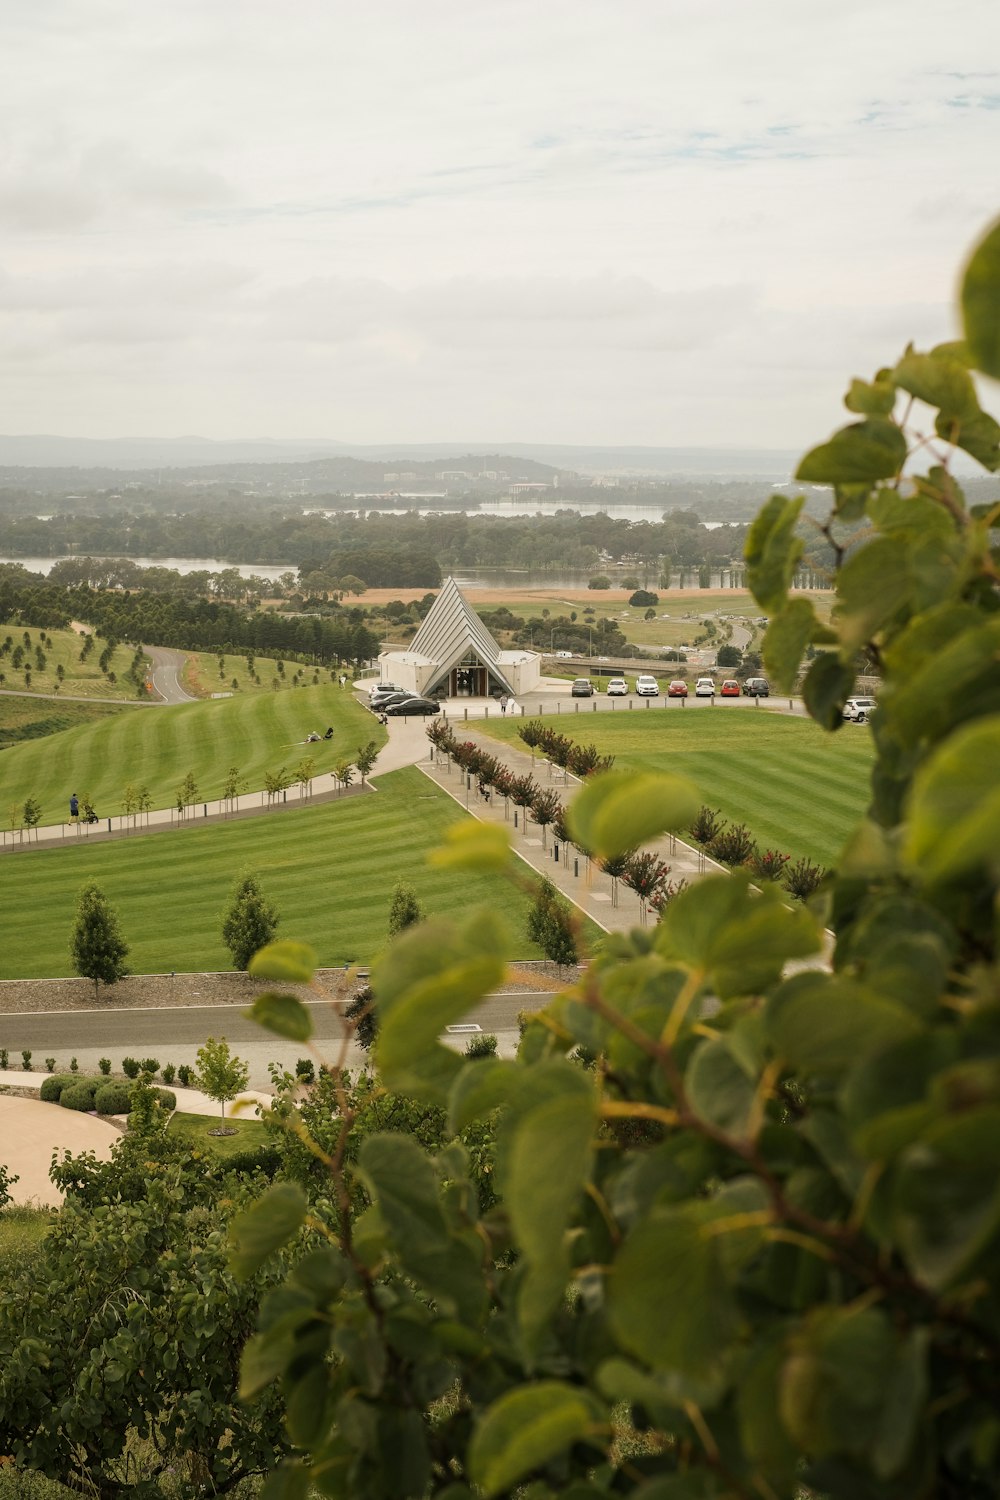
{"x":511,"y":507}
{"x":180,"y":564}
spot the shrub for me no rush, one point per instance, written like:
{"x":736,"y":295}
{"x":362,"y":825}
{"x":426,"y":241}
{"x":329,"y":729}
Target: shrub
{"x":74,"y":1066}
{"x":768,"y":866}
{"x":733,"y":845}
{"x":185,"y":1075}
{"x":551,"y":925}
{"x":166,"y":1097}
{"x":6,"y":1183}
{"x":104,"y":1063}
{"x":130,"y":1067}
{"x":305,"y":1070}
{"x":113,"y":1099}
{"x":50,"y":1064}
{"x":79,"y":1096}
{"x":150,"y":1065}
{"x":255,"y":1161}
{"x":482,"y":1046}
{"x":52,"y":1087}
{"x":168,"y":1073}
{"x":26,"y":1059}
{"x":803,"y":877}
{"x":3,"y":1058}
{"x":707,"y":825}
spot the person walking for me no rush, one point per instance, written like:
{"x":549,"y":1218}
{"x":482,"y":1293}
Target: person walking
{"x":74,"y":808}
{"x":503,"y":703}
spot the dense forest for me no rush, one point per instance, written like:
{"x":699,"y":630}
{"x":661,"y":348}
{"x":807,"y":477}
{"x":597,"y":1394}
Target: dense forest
{"x":409,"y":551}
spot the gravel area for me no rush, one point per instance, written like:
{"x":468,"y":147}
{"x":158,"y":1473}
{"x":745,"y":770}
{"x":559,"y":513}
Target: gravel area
{"x":141,"y":991}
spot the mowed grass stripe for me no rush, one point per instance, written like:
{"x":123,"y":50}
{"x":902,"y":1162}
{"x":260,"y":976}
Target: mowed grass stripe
{"x":156,"y":747}
{"x":797,"y":788}
{"x":330,"y":870}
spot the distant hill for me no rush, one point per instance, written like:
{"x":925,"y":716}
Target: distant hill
{"x":47,"y":451}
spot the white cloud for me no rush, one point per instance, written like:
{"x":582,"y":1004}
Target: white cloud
{"x":578,"y":220}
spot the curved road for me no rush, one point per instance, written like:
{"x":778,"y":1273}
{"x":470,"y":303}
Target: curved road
{"x":167,"y":664}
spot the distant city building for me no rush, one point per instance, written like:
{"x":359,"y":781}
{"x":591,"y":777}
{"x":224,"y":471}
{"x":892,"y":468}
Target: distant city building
{"x":452,"y":474}
{"x":524,"y":487}
{"x":454,"y":655}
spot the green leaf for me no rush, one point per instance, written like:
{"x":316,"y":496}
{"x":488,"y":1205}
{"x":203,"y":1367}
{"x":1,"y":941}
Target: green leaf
{"x":306,"y":1406}
{"x":872,"y":586}
{"x":287,"y":962}
{"x":871,"y":400}
{"x":290,"y":1481}
{"x":668,"y":1299}
{"x":788,"y":634}
{"x":718,"y":1089}
{"x":772,"y":550}
{"x":902,"y":1405}
{"x":481,"y":1087}
{"x":946,"y":1201}
{"x":978,"y":435}
{"x":825,"y":1023}
{"x":406,"y":1191}
{"x":981,"y":303}
{"x":954,"y":810}
{"x":270,"y":1223}
{"x":480,"y":848}
{"x":861,"y":453}
{"x":431,"y":977}
{"x":282,"y":1014}
{"x":740,"y":937}
{"x":617,"y":811}
{"x":827,"y":687}
{"x":938,"y":380}
{"x":528,"y":1428}
{"x":833,"y":1382}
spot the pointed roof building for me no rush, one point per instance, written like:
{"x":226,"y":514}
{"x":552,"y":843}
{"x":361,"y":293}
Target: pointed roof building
{"x":453,"y":655}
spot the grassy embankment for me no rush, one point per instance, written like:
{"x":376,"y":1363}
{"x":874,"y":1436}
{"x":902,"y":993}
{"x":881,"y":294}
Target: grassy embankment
{"x":156,"y":747}
{"x":80,"y":679}
{"x":329,"y":869}
{"x":796,"y":787}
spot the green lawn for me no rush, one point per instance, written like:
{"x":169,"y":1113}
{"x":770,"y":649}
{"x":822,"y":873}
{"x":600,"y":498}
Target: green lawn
{"x":797,"y":788}
{"x":196,"y":1131}
{"x":329,"y":869}
{"x":21,"y":1231}
{"x":31,"y":718}
{"x":156,"y":747}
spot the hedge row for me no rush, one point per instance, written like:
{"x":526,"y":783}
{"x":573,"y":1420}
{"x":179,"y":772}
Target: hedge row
{"x":87,"y":1094}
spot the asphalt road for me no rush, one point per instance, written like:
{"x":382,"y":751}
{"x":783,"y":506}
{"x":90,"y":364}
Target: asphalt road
{"x":174,"y":1034}
{"x":166,"y":665}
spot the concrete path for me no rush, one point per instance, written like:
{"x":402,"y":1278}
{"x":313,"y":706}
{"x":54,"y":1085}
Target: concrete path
{"x":31,"y":1131}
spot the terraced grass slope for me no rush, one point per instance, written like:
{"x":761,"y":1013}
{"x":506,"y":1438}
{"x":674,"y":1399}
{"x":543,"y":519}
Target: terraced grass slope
{"x":797,"y":788}
{"x":330,"y":870}
{"x":157,"y":746}
{"x":29,"y":718}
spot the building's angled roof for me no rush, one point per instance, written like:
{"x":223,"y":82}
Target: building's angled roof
{"x":451,"y":628}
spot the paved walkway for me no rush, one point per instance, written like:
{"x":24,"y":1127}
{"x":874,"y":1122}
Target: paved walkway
{"x":615,"y":910}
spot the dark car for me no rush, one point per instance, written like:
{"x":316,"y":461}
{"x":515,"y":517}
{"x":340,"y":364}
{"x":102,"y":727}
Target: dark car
{"x":412,"y":706}
{"x":381,"y":701}
{"x":582,"y":688}
{"x":756,"y":687}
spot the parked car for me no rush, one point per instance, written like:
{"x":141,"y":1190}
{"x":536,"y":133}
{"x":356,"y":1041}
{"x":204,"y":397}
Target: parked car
{"x":412,"y":705}
{"x":617,"y":687}
{"x":678,"y":688}
{"x":647,"y":686}
{"x":379,"y":702}
{"x":859,"y":710}
{"x":730,"y":688}
{"x":383,"y":687}
{"x":565,"y":655}
{"x":582,"y":688}
{"x":704,"y":687}
{"x":757,"y":687}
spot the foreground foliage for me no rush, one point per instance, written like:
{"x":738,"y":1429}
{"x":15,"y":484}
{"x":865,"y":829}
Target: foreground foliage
{"x":757,"y":1214}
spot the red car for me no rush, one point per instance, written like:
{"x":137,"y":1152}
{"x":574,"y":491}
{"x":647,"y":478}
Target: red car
{"x":677,"y":689}
{"x":730,"y":688}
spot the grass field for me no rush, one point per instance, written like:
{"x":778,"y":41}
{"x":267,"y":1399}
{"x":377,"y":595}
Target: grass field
{"x":80,"y":679}
{"x":196,"y":1130}
{"x":156,"y":747}
{"x":204,"y":674}
{"x":330,"y":871}
{"x":21,"y":1231}
{"x":32,"y":718}
{"x":797,"y":788}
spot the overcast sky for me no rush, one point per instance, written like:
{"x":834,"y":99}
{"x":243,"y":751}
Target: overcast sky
{"x":664,"y":222}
